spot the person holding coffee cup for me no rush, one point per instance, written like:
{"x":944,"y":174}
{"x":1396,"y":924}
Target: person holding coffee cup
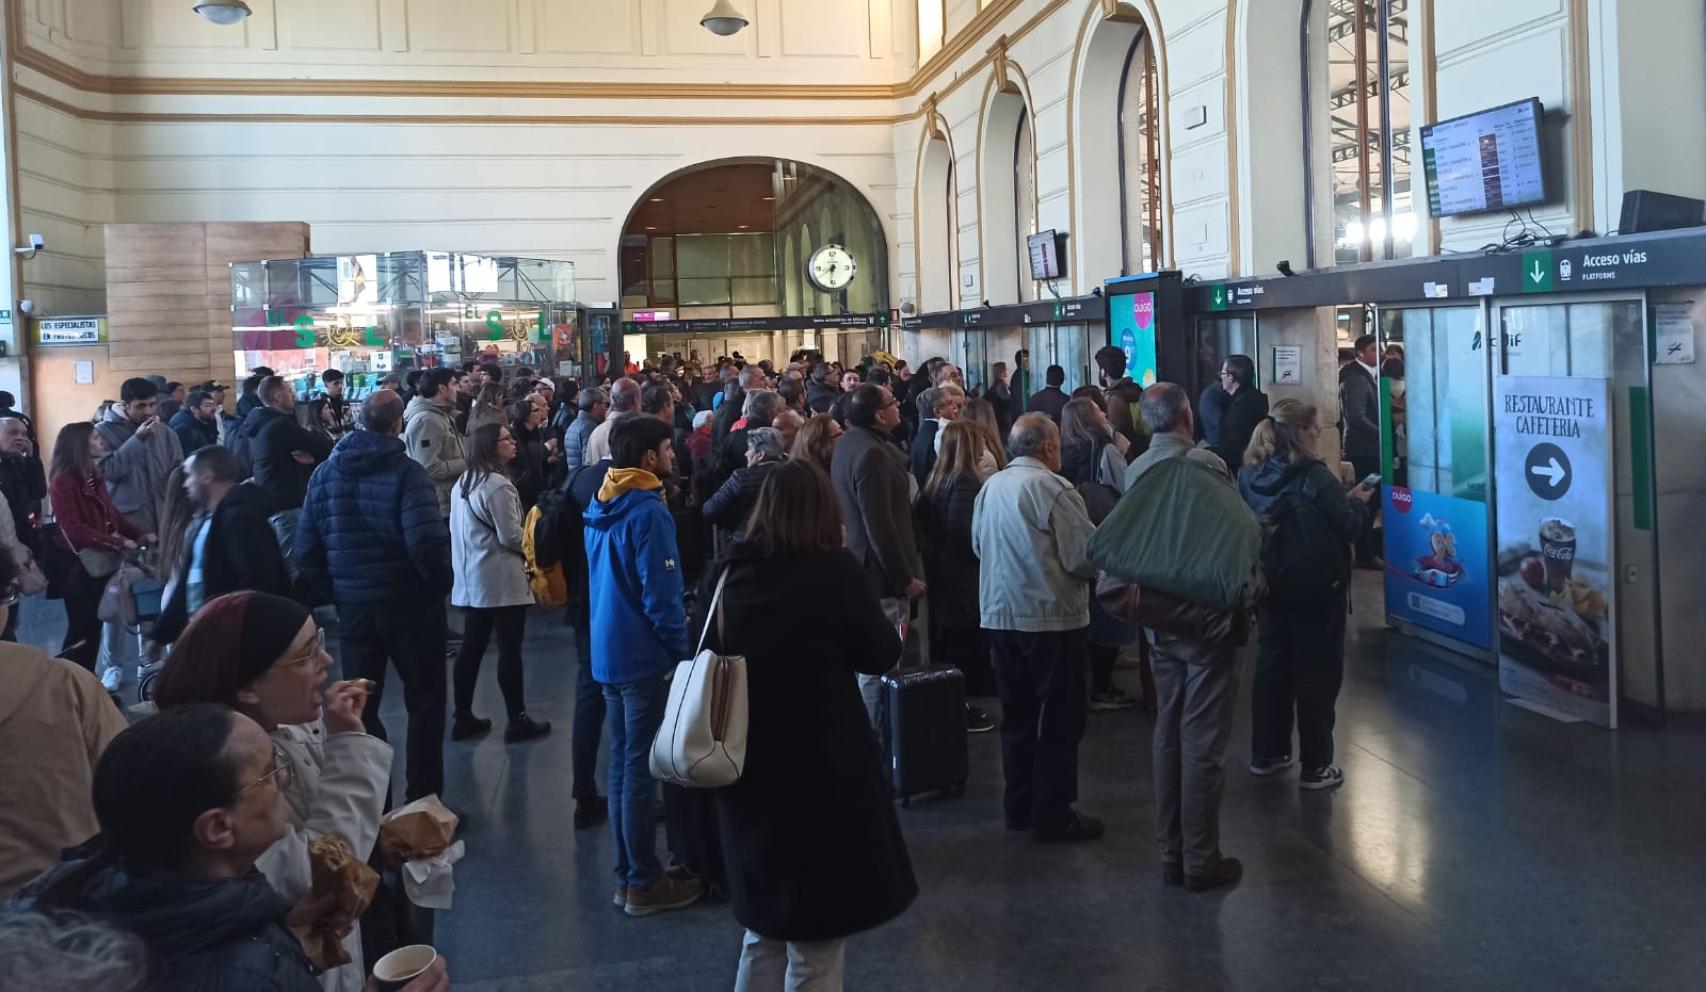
{"x":264,"y":656}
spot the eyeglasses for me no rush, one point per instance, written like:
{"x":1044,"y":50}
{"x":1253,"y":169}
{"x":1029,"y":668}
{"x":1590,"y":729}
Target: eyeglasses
{"x":1225,"y":374}
{"x":506,"y":439}
{"x":282,"y":771}
{"x":309,"y":657}
{"x":10,"y":595}
{"x":891,"y":404}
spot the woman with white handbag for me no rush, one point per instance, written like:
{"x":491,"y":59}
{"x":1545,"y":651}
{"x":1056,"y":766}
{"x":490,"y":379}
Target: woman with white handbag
{"x":813,"y":849}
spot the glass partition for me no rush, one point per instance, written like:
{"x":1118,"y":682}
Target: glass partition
{"x":371,"y":315}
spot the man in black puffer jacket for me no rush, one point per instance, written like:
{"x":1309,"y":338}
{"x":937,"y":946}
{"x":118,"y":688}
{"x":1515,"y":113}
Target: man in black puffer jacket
{"x":372,"y":540}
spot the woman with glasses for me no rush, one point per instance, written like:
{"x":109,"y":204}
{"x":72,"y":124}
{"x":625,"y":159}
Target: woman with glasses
{"x":188,"y":801}
{"x":264,"y":656}
{"x":490,"y":583}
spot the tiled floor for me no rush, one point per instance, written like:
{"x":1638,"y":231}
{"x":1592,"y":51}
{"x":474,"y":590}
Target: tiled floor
{"x":1475,"y":845}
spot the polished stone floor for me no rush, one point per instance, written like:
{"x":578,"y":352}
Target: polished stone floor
{"x":1475,"y":845}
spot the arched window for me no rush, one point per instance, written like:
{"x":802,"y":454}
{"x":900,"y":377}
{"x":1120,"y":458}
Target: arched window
{"x":1006,"y":198}
{"x":1140,"y":158}
{"x":932,"y":28}
{"x":1025,"y":202}
{"x":936,"y":234}
{"x":1357,"y":125}
{"x":1117,"y":127}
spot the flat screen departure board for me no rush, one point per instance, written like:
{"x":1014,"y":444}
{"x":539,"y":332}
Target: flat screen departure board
{"x":1490,"y":160}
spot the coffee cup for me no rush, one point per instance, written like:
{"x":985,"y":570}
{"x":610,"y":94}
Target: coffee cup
{"x":402,"y":966}
{"x":1557,"y":552}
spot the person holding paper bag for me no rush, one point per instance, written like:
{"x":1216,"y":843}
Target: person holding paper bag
{"x":264,"y":656}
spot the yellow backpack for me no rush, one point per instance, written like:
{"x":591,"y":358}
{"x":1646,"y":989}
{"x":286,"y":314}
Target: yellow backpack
{"x":550,"y":588}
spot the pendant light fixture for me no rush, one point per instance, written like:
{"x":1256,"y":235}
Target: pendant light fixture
{"x":223,"y":11}
{"x":724,"y":19}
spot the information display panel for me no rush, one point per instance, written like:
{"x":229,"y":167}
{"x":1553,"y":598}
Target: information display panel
{"x":1490,"y":160}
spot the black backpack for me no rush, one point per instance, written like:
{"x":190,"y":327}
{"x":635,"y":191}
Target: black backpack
{"x":1302,"y":558}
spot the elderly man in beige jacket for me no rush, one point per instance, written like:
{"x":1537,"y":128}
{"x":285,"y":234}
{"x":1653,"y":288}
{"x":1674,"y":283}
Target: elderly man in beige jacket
{"x":1031,"y":534}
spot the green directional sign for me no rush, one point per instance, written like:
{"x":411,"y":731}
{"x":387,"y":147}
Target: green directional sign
{"x":1537,"y":271}
{"x":1217,"y":301}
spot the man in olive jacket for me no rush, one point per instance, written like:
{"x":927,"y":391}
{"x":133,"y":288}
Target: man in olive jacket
{"x":875,"y":493}
{"x":1196,"y":683}
{"x":430,"y":435}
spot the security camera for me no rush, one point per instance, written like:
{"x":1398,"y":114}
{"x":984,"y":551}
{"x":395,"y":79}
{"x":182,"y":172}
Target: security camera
{"x":37,"y":243}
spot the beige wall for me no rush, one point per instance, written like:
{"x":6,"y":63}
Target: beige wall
{"x":532,"y":126}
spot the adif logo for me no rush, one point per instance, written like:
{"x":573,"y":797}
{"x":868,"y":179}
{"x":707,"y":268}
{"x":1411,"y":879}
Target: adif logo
{"x":1564,"y":268}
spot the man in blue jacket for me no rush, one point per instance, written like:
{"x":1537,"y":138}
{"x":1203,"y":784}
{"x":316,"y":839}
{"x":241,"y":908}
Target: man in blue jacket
{"x":372,"y":541}
{"x":635,"y":592}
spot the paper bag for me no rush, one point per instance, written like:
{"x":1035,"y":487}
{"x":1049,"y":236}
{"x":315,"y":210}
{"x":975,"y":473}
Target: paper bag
{"x":345,"y":885}
{"x":422,"y":829}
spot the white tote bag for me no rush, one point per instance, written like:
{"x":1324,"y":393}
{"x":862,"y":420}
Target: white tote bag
{"x":702,"y":742}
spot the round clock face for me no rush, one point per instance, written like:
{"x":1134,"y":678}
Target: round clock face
{"x":831,"y":268}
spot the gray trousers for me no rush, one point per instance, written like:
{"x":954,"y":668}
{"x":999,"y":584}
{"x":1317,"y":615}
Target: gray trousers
{"x":781,"y":966}
{"x":1196,"y":686}
{"x":871,"y":686}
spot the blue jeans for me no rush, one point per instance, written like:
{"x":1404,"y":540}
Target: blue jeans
{"x":636,"y":712}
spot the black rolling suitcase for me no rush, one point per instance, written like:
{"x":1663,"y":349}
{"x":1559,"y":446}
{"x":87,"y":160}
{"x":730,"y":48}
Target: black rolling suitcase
{"x":922,"y":717}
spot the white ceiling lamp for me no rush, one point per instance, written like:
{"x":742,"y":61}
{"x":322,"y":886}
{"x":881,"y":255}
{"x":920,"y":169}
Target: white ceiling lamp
{"x":223,"y":11}
{"x":724,"y":19}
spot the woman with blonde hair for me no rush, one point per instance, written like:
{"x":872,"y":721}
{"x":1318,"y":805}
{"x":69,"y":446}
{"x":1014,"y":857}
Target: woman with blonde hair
{"x":982,"y":413}
{"x":1301,"y":635}
{"x":815,"y":442}
{"x":944,"y":513}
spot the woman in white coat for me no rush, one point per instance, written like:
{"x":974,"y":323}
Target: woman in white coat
{"x":264,"y":656}
{"x":491,"y":583}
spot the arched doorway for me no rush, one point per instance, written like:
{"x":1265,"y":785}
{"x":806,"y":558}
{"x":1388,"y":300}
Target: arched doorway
{"x":936,"y":234}
{"x":735,"y":239}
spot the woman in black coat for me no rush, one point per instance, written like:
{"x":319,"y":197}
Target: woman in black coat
{"x":536,"y":459}
{"x":813,"y":850}
{"x":732,"y":503}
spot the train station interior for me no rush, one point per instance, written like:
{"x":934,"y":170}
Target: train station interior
{"x":1506,"y":198}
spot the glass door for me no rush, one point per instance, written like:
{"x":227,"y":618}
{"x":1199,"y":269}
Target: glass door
{"x":1435,"y":514}
{"x":1577,"y":596}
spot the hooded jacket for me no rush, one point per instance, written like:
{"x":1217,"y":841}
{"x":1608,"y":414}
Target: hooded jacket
{"x":55,"y":721}
{"x":431,"y":438}
{"x":371,"y":531}
{"x":202,"y":934}
{"x":241,"y":552}
{"x":194,"y":433}
{"x":635,"y":586}
{"x":136,"y":468}
{"x":274,"y":436}
{"x":1263,"y":486}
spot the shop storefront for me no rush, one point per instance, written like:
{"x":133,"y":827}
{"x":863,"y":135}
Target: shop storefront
{"x":370,"y":316}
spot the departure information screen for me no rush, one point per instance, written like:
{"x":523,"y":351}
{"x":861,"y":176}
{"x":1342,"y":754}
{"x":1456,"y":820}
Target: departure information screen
{"x":1486,"y":161}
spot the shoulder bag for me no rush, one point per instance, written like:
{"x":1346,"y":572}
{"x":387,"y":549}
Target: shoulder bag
{"x":702,"y":741}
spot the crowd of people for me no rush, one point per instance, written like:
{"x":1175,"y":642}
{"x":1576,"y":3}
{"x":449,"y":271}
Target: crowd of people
{"x":746,"y":507}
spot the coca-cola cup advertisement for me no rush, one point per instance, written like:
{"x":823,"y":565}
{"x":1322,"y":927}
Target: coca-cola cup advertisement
{"x":1555,"y":553}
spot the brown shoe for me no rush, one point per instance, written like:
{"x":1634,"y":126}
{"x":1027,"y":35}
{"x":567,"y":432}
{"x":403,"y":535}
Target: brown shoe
{"x":621,"y":900}
{"x":663,"y":894}
{"x":1223,"y":873}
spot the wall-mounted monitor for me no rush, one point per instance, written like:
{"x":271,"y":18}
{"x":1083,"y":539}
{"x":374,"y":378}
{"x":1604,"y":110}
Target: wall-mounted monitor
{"x":1491,"y":160}
{"x":1047,"y":249}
